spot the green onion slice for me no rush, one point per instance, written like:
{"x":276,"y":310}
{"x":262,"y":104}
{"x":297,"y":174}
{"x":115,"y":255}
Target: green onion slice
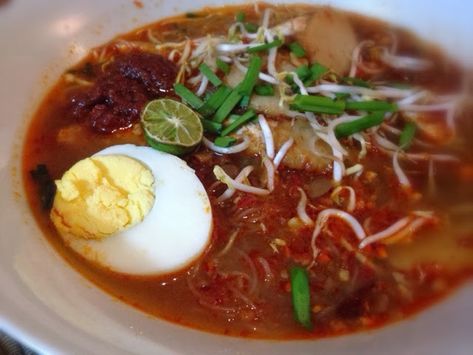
{"x":348,"y":128}
{"x":224,"y":67}
{"x":245,"y":102}
{"x":251,"y":27}
{"x":224,"y":141}
{"x":372,"y":105}
{"x":227,"y":106}
{"x":240,"y":16}
{"x":188,"y":96}
{"x":251,"y":76}
{"x":317,"y":71}
{"x":264,"y":90}
{"x":264,"y":47}
{"x":238,"y":122}
{"x":211,"y":126}
{"x":356,"y":82}
{"x":214,"y":101}
{"x":407,"y":135}
{"x":319,"y":104}
{"x":300,"y":293}
{"x":205,"y":70}
{"x":297,"y":49}
{"x":303,"y":72}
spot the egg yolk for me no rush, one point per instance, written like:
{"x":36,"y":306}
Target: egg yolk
{"x":102,"y":195}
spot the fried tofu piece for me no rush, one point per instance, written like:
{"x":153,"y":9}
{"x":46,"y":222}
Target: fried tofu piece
{"x":328,"y":38}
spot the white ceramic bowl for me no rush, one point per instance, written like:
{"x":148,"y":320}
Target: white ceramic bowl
{"x":52,"y":308}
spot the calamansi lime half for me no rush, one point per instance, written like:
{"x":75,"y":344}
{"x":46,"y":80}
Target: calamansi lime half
{"x":171,"y":126}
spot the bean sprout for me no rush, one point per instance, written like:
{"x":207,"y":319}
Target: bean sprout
{"x":379,"y":92}
{"x":351,"y":200}
{"x":267,"y":136}
{"x":322,"y":219}
{"x":221,"y":175}
{"x":262,"y":76}
{"x":403,"y":62}
{"x":282,"y":152}
{"x":242,"y":175}
{"x":301,"y":208}
{"x":237,"y":148}
{"x":203,"y":86}
{"x":269,"y":172}
{"x":406,"y":225}
{"x":401,"y":176}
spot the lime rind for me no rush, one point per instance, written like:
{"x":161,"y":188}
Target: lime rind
{"x":167,"y":148}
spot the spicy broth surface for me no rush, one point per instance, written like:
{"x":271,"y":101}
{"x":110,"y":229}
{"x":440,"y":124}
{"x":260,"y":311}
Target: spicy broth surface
{"x":241,"y":286}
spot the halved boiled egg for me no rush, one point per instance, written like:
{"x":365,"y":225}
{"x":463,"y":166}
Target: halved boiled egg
{"x":133,"y":210}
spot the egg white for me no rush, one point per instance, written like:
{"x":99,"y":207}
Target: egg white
{"x":175,"y":232}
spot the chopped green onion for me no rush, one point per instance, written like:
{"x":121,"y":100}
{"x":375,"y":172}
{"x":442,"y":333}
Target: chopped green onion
{"x":214,"y":101}
{"x":342,"y":95}
{"x":245,"y":102}
{"x":348,"y":128}
{"x":227,"y":106}
{"x":372,"y":105}
{"x":317,"y":71}
{"x":251,"y":76}
{"x":264,"y":47}
{"x":251,"y":27}
{"x":400,"y":86}
{"x":240,"y":16}
{"x":247,"y":116}
{"x":264,"y":90}
{"x":231,"y":119}
{"x":224,"y":141}
{"x":211,"y":126}
{"x":188,"y":96}
{"x":356,"y":82}
{"x":300,"y":293}
{"x":297,"y":49}
{"x":205,"y":70}
{"x":303,"y":72}
{"x":224,"y":67}
{"x":407,"y":135}
{"x":319,"y":104}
